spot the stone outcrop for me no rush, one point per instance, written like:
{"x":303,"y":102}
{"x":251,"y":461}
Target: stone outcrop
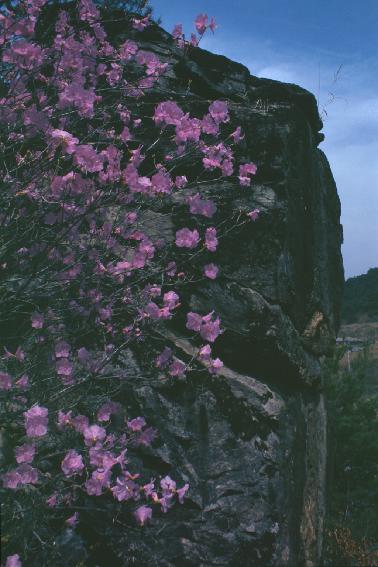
{"x":251,"y":441}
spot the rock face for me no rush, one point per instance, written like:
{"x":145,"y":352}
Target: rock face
{"x":251,"y":441}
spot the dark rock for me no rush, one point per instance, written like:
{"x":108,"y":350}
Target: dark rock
{"x":252,"y":441}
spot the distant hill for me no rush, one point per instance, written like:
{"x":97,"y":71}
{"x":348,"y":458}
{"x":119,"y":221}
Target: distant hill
{"x":360,"y":302}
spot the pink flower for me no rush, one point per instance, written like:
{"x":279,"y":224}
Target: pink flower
{"x":125,"y":489}
{"x":210,"y":330}
{"x":193,"y":321}
{"x":64,"y":367}
{"x":107,"y":409}
{"x":164,"y":357}
{"x":177,"y":368}
{"x":88,"y":159}
{"x":215,"y":366}
{"x":186,"y":238}
{"x":201,"y":23}
{"x":72,"y":520}
{"x":254,"y":215}
{"x":13,"y":561}
{"x":168,"y":113}
{"x":141,"y":23}
{"x":52,"y":500}
{"x":202,"y":207}
{"x":24,"y":474}
{"x":5,"y":381}
{"x":211,"y":271}
{"x":211,"y":241}
{"x":62,"y":349}
{"x":181,"y":492}
{"x":37,"y":320}
{"x":143,"y":514}
{"x":245,"y":172}
{"x":181,"y":181}
{"x":212,"y":25}
{"x":136,"y":424}
{"x":22,"y":382}
{"x":177,"y":31}
{"x":24,"y":453}
{"x":66,"y":140}
{"x":94,"y":433}
{"x":237,"y":135}
{"x":219,"y":111}
{"x":64,"y":419}
{"x":204,"y":353}
{"x":36,"y":419}
{"x":72,"y":463}
{"x":80,"y":423}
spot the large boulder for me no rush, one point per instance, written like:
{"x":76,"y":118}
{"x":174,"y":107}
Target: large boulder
{"x":251,"y":441}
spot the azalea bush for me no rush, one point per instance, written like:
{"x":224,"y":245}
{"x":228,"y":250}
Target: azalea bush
{"x":89,"y":143}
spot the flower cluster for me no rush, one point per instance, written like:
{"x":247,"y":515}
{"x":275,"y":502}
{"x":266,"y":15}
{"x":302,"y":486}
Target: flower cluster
{"x":86,"y":279}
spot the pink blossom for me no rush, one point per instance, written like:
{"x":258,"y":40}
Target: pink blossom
{"x":72,"y":520}
{"x":171,"y":299}
{"x":204,"y":353}
{"x":36,"y":419}
{"x":125,"y":489}
{"x":80,"y":423}
{"x":237,"y":135}
{"x":193,"y":321}
{"x":146,"y":437}
{"x":210,"y":330}
{"x":64,"y":419}
{"x":211,"y":241}
{"x":141,"y":23}
{"x":168,"y":113}
{"x":212,"y":24}
{"x":143,"y":514}
{"x":202,"y":207}
{"x":164,"y":357}
{"x":177,"y":368}
{"x":136,"y":424}
{"x":5,"y":381}
{"x":64,"y":367}
{"x":201,"y":23}
{"x":177,"y":31}
{"x":107,"y":410}
{"x":52,"y":500}
{"x":94,"y":433}
{"x":88,"y":159}
{"x":186,"y":238}
{"x":72,"y":463}
{"x":181,"y":492}
{"x":62,"y":349}
{"x":13,"y":561}
{"x":28,"y":474}
{"x":37,"y":320}
{"x":181,"y":181}
{"x":99,"y":480}
{"x":245,"y":172}
{"x":25,"y":453}
{"x":23,"y":382}
{"x":66,"y":140}
{"x":215,"y":366}
{"x":211,"y":271}
{"x":127,"y":50}
{"x":218,"y":110}
{"x":254,"y":215}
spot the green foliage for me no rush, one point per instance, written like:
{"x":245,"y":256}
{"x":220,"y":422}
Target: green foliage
{"x":353,"y":448}
{"x":360,"y":302}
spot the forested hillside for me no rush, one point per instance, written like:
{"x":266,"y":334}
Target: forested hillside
{"x":360,"y":303}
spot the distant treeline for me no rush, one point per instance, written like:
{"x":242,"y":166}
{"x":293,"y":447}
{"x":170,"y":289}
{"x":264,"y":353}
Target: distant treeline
{"x":360,"y":302}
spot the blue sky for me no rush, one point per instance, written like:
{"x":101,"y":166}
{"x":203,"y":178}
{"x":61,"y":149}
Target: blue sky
{"x":329,"y":47}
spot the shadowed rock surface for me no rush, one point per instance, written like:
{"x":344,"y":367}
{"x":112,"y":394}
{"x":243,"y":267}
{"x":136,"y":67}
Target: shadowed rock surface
{"x":252,"y":441}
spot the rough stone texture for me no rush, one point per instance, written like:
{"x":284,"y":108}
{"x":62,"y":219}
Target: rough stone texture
{"x":252,"y":441}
